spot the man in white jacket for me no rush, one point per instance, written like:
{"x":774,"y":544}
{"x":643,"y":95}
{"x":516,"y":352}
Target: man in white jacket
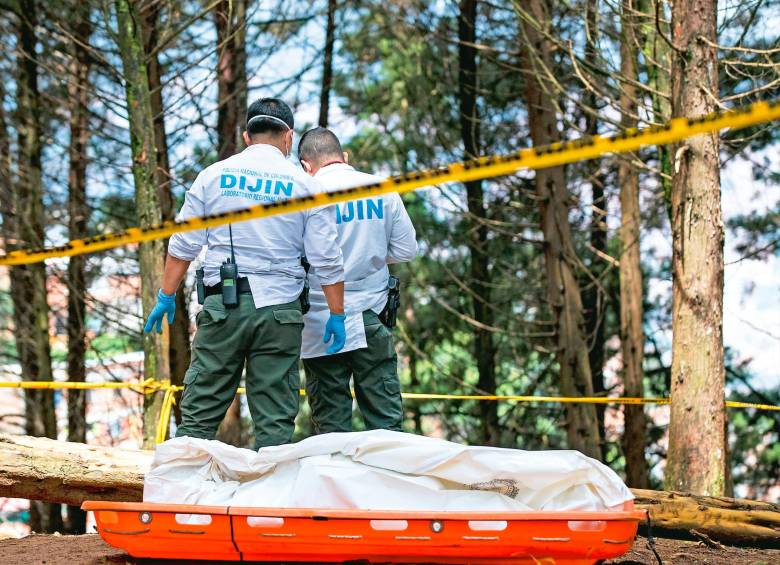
{"x":372,"y":233}
{"x":253,"y":279}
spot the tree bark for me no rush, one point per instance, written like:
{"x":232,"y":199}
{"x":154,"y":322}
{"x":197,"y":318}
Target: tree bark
{"x":78,"y":216}
{"x":563,"y":292}
{"x":6,"y":196}
{"x":327,"y":65}
{"x":151,"y":254}
{"x":28,"y":282}
{"x":179,"y":341}
{"x":593,"y":295}
{"x":230,"y":20}
{"x":70,"y":473}
{"x":480,"y":275}
{"x":658,"y":64}
{"x":632,"y":338}
{"x":696,"y":459}
{"x":726,"y":520}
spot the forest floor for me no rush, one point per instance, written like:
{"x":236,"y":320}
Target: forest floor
{"x":92,"y":550}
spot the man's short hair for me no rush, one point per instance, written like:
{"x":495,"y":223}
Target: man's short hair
{"x":319,"y":145}
{"x":271,"y":115}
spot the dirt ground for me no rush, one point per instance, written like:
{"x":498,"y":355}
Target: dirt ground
{"x":91,"y":550}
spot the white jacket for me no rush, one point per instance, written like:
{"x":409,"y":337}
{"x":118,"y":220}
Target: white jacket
{"x":268,"y":250}
{"x":372,"y":233}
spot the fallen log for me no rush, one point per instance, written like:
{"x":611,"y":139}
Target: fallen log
{"x":721,"y":519}
{"x":59,"y":471}
{"x":70,"y":473}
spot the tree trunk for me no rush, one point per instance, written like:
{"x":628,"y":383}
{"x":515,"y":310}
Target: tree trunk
{"x":179,"y":340}
{"x":593,"y":295}
{"x":658,"y":64}
{"x":327,"y":65}
{"x":6,"y":196}
{"x":632,"y":338}
{"x":28,"y":282}
{"x":696,"y":460}
{"x":480,"y":276}
{"x":70,"y":473}
{"x":151,"y":254}
{"x":78,"y":215}
{"x":563,"y":292}
{"x":230,"y":20}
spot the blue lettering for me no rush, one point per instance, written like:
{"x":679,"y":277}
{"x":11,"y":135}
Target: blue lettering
{"x":338,"y":215}
{"x":242,"y":182}
{"x":227,"y":181}
{"x":350,"y":215}
{"x":375,"y":207}
{"x":268,"y":184}
{"x":257,"y":187}
{"x":286,"y":188}
{"x":360,"y":210}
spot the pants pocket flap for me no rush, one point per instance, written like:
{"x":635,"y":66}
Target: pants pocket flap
{"x":215,"y":309}
{"x":288,"y":316}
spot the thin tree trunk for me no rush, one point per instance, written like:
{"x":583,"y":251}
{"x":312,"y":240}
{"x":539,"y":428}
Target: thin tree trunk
{"x":28,"y":282}
{"x":78,"y":215}
{"x":151,"y":254}
{"x":696,"y":460}
{"x":414,"y":384}
{"x":179,"y":342}
{"x":563,"y":292}
{"x":593,"y":295}
{"x":480,"y":276}
{"x":632,"y":339}
{"x":327,"y":65}
{"x":6,"y":204}
{"x":230,"y":20}
{"x":658,"y":64}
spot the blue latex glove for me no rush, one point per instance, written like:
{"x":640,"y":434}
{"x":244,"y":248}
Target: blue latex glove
{"x":335,"y":329}
{"x":166,"y":304}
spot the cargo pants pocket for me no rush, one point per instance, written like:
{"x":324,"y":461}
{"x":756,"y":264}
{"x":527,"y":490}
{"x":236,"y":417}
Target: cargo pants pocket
{"x":213,"y":312}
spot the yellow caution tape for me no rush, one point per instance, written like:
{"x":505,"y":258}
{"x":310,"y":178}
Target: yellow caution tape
{"x":150,"y":386}
{"x":161,"y":433}
{"x":551,"y":399}
{"x":618,"y":400}
{"x":736,"y":404}
{"x":482,"y":168}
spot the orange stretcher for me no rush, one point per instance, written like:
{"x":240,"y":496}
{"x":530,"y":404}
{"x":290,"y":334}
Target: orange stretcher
{"x":178,"y":531}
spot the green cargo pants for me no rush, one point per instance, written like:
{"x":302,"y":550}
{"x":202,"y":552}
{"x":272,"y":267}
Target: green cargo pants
{"x":375,"y":373}
{"x":268,"y":341}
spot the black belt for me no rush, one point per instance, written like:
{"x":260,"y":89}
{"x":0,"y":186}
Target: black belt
{"x":243,"y":287}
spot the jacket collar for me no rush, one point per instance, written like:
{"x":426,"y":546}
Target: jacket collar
{"x":264,"y":148}
{"x":333,"y":167}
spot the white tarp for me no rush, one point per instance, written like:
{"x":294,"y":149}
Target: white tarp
{"x":380,"y":470}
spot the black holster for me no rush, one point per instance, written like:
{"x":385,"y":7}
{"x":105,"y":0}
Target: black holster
{"x":389,"y":314}
{"x":200,"y":287}
{"x":304,"y":298}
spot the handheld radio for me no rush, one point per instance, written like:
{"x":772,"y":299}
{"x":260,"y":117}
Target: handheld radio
{"x":228,"y":275}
